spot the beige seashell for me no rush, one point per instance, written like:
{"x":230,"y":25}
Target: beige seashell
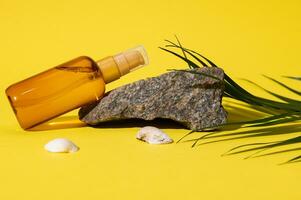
{"x":61,"y":145}
{"x":153,"y":135}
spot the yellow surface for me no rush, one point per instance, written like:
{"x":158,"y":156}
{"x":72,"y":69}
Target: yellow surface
{"x":246,"y":38}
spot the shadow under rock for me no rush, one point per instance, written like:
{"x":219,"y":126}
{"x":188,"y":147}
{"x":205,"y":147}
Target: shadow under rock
{"x":65,"y":122}
{"x":235,"y":113}
{"x":130,"y":123}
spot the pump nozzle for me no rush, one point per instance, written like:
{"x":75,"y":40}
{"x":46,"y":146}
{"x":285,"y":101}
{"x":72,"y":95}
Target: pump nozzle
{"x":131,"y":59}
{"x":114,"y":67}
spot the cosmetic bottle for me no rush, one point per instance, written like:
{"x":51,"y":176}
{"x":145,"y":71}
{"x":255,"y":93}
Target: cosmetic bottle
{"x":68,"y":86}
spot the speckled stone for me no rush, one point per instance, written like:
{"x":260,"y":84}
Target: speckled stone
{"x":190,"y":99}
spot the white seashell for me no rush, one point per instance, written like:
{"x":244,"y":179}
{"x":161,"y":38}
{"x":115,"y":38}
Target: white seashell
{"x":153,"y":135}
{"x":61,"y":145}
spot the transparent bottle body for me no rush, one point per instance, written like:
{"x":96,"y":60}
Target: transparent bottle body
{"x":56,"y":91}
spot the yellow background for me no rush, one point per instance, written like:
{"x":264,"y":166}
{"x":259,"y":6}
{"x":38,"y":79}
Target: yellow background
{"x":246,"y":38}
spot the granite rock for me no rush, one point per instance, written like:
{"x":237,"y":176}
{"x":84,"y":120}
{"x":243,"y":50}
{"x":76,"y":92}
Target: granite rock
{"x":187,"y":97}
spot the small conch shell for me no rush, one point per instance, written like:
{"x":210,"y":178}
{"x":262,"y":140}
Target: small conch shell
{"x":61,"y":145}
{"x":153,"y":135}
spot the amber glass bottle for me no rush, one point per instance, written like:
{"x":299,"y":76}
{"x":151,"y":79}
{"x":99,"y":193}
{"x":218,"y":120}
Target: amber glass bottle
{"x":68,"y":86}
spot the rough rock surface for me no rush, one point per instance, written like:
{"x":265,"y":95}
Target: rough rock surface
{"x":191,"y":99}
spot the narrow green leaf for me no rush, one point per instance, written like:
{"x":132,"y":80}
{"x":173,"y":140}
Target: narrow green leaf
{"x":184,"y":54}
{"x":285,"y":86}
{"x":179,"y":56}
{"x":192,"y":55}
{"x":209,"y":61}
{"x":277,"y":122}
{"x":288,"y":100}
{"x":189,"y":66}
{"x":238,"y":93}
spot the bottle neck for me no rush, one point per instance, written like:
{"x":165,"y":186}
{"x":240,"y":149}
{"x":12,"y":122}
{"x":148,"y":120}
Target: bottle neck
{"x":109,"y":69}
{"x":113,"y":67}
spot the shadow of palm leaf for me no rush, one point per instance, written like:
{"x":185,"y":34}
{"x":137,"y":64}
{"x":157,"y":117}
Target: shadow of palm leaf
{"x":270,"y":131}
{"x":220,"y":136}
{"x":278,"y":152}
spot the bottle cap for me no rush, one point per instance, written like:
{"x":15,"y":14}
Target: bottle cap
{"x":131,"y":59}
{"x":114,"y":67}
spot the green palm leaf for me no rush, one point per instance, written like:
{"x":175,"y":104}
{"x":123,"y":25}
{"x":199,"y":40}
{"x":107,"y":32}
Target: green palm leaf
{"x":287,"y":111}
{"x":285,"y":86}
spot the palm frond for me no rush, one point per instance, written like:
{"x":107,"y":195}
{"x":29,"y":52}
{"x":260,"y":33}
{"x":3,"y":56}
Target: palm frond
{"x":288,"y":110}
{"x":285,"y":86}
{"x":283,"y":98}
